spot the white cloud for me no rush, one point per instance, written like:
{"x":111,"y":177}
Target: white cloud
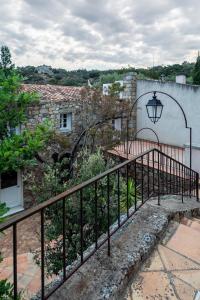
{"x":100,"y":34}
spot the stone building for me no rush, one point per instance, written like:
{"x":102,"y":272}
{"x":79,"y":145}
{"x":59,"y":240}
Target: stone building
{"x":66,"y":108}
{"x":59,"y":104}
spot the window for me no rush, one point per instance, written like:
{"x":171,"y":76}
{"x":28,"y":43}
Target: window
{"x":8,"y":179}
{"x":66,"y":121}
{"x":117,"y":124}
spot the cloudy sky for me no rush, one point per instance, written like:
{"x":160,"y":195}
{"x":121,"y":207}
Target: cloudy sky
{"x":100,"y":34}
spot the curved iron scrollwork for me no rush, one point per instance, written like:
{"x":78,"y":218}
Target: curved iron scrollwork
{"x":140,"y":130}
{"x":181,"y":108}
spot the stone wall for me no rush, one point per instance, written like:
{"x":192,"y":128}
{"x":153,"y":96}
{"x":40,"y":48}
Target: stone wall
{"x":50,"y":109}
{"x":129,"y":93}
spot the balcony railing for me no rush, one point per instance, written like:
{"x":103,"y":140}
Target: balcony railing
{"x":111,"y":199}
{"x":135,"y":147}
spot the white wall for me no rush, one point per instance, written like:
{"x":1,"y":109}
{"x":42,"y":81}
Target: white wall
{"x":171,"y":127}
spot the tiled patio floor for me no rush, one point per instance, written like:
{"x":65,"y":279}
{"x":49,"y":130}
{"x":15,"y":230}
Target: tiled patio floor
{"x":139,"y":146}
{"x":28,"y":241}
{"x":173,"y":271}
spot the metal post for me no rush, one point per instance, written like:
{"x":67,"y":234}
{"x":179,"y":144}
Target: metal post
{"x":142,"y":184}
{"x":96,"y":211}
{"x":81,"y":223}
{"x":127,"y":192}
{"x":64,"y":240}
{"x":148,"y":175}
{"x":158,"y":178}
{"x":118,"y":198}
{"x":127,"y":136}
{"x":197,"y":186}
{"x":42,"y":255}
{"x":135,"y":173}
{"x":15,"y":260}
{"x":190,"y":160}
{"x":108,"y":212}
{"x":153,"y":173}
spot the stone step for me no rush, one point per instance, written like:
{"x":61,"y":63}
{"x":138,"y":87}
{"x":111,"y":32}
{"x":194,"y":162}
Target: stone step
{"x":197,"y":219}
{"x":192,"y":223}
{"x":186,"y":241}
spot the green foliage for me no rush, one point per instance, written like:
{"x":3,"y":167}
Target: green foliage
{"x":14,"y":103}
{"x":6,"y":62}
{"x":17,"y":150}
{"x":87,"y":166}
{"x":115,"y":89}
{"x":97,"y":78}
{"x":3,"y":210}
{"x":7,"y":291}
{"x":110,"y":78}
{"x":52,"y":183}
{"x":196,"y":72}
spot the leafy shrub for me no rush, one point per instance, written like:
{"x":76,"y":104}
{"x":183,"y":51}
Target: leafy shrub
{"x":87,"y":166}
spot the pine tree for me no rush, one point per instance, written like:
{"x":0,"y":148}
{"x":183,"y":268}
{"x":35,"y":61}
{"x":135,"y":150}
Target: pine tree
{"x":6,"y":63}
{"x":196,"y":72}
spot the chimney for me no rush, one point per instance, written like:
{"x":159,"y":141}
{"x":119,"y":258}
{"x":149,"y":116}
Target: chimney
{"x":181,"y":79}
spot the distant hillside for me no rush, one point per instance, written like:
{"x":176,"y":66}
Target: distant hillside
{"x":48,"y":75}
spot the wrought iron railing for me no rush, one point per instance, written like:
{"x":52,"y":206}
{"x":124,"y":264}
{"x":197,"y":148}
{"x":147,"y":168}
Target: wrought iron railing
{"x":100,"y":206}
{"x":136,"y":147}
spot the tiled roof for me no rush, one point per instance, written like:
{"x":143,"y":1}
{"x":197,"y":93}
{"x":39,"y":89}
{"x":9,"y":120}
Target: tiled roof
{"x":54,"y":92}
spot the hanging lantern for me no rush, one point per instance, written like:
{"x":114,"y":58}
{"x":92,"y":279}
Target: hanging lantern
{"x":154,"y":109}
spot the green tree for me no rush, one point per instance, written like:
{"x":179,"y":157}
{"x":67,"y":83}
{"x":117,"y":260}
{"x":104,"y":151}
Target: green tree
{"x":6,"y":62}
{"x":87,"y":166}
{"x":196,"y":72}
{"x":17,"y":150}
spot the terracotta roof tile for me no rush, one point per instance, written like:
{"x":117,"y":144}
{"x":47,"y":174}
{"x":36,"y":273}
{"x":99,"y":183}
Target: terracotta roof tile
{"x":54,"y":92}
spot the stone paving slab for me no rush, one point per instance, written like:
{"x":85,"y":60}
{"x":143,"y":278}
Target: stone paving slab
{"x":105,"y":277}
{"x":173,"y":271}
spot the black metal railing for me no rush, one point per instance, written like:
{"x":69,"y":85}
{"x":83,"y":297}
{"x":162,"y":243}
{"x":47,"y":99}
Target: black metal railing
{"x":136,"y":147}
{"x":100,"y":206}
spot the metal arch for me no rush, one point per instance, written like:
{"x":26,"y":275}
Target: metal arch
{"x":163,"y":93}
{"x":148,"y":128}
{"x":84,"y":132}
{"x":181,"y":108}
{"x":145,"y":128}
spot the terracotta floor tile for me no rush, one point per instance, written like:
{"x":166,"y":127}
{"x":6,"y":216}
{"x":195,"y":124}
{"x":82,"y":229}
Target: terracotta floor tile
{"x":196,"y":219}
{"x":34,"y":285}
{"x":151,"y":285}
{"x":186,"y":221}
{"x":6,"y":273}
{"x":184,"y":291}
{"x":24,"y":281}
{"x":22,"y":267}
{"x":22,"y":258}
{"x":195,"y":225}
{"x":154,"y":263}
{"x":7,"y":261}
{"x":191,"y":277}
{"x":186,"y":241}
{"x":174,"y":261}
